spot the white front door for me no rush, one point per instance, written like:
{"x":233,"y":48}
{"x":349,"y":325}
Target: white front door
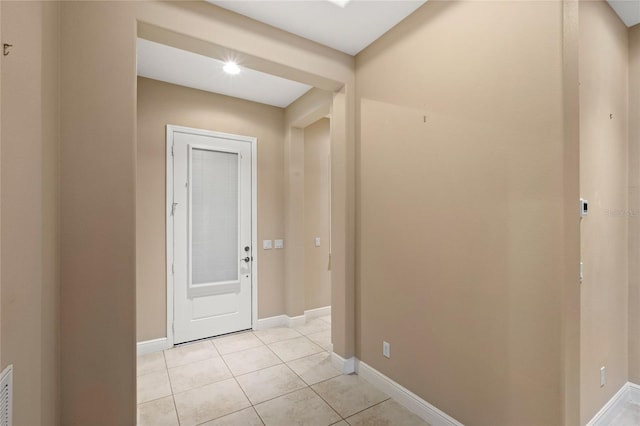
{"x":211,"y":212}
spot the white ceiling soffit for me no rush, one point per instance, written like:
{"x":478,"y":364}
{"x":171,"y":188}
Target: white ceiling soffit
{"x":349,"y":29}
{"x":627,"y":10}
{"x":183,"y":68}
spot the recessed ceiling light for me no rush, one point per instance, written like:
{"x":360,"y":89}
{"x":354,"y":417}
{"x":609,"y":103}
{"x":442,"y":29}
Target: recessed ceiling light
{"x":231,"y":68}
{"x":341,"y":3}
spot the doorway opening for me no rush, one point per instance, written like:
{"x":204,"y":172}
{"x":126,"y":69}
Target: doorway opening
{"x":290,"y":231}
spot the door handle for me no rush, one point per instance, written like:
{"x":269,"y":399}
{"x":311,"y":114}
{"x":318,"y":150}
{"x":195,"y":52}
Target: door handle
{"x":246,"y":259}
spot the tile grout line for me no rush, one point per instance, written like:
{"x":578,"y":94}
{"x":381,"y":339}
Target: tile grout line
{"x":162,"y":397}
{"x":314,"y":391}
{"x":276,"y":397}
{"x":327,"y":402}
{"x":368,"y":408}
{"x":241,"y":350}
{"x":259,"y":416}
{"x":234,"y":376}
{"x":242,"y":390}
{"x":173,"y":398}
{"x":281,"y":340}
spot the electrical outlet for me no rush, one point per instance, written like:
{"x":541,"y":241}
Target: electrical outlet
{"x":386,"y":349}
{"x":603,"y":376}
{"x":584,"y":207}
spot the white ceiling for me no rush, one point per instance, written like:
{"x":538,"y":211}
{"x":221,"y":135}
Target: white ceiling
{"x":346,"y":27}
{"x":183,"y":68}
{"x":349,"y":29}
{"x":627,"y":10}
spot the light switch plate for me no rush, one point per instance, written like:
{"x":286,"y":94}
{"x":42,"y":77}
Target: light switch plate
{"x":386,"y":349}
{"x":279,"y":244}
{"x":317,"y":241}
{"x":266,"y":244}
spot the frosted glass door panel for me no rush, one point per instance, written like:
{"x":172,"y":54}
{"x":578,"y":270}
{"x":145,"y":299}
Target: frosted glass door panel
{"x":214,"y":216}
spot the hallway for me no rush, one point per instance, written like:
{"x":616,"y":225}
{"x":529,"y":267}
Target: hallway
{"x":277,"y":376}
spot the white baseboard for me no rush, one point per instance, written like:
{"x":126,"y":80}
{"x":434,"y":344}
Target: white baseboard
{"x":279,"y":321}
{"x":318,"y":312}
{"x":291,"y":322}
{"x":297,"y":321}
{"x":629,"y":392}
{"x":154,"y":345}
{"x":347,"y":366}
{"x":271,"y":322}
{"x":405,"y":397}
{"x":634,"y":392}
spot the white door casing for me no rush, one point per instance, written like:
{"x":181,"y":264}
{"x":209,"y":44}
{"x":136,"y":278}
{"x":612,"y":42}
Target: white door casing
{"x":210,"y":233}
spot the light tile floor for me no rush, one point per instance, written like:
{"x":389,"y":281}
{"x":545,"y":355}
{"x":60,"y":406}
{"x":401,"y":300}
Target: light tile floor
{"x":630,"y":415}
{"x":278,"y":377}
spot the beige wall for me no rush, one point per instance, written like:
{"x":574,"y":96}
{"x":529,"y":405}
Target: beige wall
{"x":462,"y":252}
{"x":97,"y":207}
{"x":492,"y":140}
{"x":604,"y":182}
{"x":30,"y":139}
{"x":306,"y":110}
{"x":160,"y":104}
{"x":634,"y":204}
{"x":570,"y":289}
{"x":98,"y":128}
{"x":317,"y":278}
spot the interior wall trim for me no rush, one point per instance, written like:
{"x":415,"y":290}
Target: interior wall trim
{"x":347,"y":366}
{"x":291,"y":322}
{"x":629,"y":392}
{"x":405,"y":397}
{"x":316,"y":313}
{"x":155,"y":345}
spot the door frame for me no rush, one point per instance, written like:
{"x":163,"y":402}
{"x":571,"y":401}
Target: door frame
{"x":170,"y":130}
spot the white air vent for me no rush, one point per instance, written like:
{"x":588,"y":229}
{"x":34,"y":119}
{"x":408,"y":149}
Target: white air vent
{"x":6,"y":397}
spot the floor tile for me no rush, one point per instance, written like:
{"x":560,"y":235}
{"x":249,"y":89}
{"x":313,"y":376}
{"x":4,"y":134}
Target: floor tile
{"x":302,"y":407}
{"x":386,"y":414}
{"x":153,"y":386}
{"x":209,"y":402}
{"x":161,"y":412}
{"x":150,"y":363}
{"x":295,"y":348}
{"x":322,"y":339}
{"x":246,"y":417}
{"x":630,"y":415}
{"x":349,"y":394}
{"x":271,"y":335}
{"x":191,"y":352}
{"x":236,"y":342}
{"x":314,"y":326}
{"x":314,"y":368}
{"x":198,"y":374}
{"x":269,"y":383}
{"x":251,"y":360}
